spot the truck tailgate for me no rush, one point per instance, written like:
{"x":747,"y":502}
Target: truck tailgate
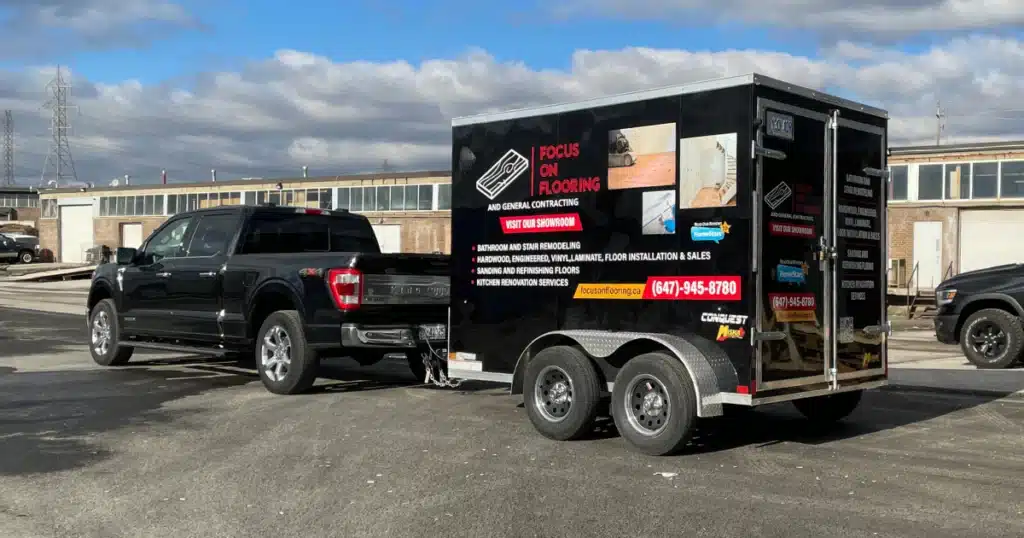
{"x":404,"y":279}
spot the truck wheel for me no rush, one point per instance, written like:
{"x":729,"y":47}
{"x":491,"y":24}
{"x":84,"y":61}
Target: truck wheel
{"x":104,"y":336}
{"x":286,"y":364}
{"x":654,"y":404}
{"x":561,"y":391}
{"x":992,"y":338}
{"x":829,"y":409}
{"x":26,"y":256}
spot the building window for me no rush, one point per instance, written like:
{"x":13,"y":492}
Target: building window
{"x":1012,"y":179}
{"x":14,"y":200}
{"x":444,"y":195}
{"x":958,"y":181}
{"x":929,"y":182}
{"x":897,"y":186}
{"x":49,"y":209}
{"x":984,"y":180}
{"x":149,"y":205}
{"x":425,"y":198}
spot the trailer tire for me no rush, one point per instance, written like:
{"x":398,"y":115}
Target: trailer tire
{"x":824,"y":410}
{"x":654,"y":404}
{"x":298,"y":361}
{"x":557,"y":376}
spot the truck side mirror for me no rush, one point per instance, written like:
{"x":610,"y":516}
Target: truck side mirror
{"x":125,"y":255}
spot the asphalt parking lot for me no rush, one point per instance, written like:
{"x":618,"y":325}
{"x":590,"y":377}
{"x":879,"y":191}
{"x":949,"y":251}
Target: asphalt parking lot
{"x":178,"y":446}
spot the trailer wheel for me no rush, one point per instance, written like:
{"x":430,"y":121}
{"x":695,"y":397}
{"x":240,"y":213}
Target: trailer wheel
{"x":286,"y":364}
{"x":562,"y":393}
{"x":654,"y":404}
{"x":824,"y":410}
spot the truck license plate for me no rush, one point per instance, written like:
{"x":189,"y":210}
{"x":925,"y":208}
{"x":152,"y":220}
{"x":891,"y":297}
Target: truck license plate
{"x":433,"y":332}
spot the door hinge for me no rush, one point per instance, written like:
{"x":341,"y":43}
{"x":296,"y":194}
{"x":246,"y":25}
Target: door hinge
{"x":769,"y":336}
{"x":761,"y":151}
{"x":877,"y":172}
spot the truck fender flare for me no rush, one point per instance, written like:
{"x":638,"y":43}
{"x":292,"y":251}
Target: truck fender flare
{"x":998,"y":297}
{"x":709,"y":367}
{"x":275,"y":286}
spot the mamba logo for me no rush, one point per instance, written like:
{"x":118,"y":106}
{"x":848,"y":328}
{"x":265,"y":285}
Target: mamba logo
{"x":726,"y":332}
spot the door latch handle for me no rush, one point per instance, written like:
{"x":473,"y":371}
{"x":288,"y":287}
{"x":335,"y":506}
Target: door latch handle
{"x":163,"y":275}
{"x":208,"y":274}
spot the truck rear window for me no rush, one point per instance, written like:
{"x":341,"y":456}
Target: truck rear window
{"x":280,"y":233}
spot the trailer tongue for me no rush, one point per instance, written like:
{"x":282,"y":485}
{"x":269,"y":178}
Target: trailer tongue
{"x":676,"y":251}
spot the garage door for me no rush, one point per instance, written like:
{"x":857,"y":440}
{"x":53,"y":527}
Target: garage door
{"x":389,"y":236}
{"x":75,"y":232}
{"x":984,"y":238}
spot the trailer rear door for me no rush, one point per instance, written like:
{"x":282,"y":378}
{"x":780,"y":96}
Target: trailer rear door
{"x":820,"y":248}
{"x":860,"y":254}
{"x":792,"y":306}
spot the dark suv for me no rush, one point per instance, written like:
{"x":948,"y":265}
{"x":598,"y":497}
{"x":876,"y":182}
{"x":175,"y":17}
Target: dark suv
{"x":983,"y":311}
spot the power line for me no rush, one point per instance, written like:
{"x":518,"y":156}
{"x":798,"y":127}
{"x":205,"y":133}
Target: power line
{"x":8,"y":148}
{"x":59,"y":156}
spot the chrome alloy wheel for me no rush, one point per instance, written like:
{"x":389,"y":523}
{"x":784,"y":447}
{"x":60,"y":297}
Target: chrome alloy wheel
{"x":101,"y":333}
{"x":276,"y":353}
{"x":647,"y":405}
{"x":553,"y":394}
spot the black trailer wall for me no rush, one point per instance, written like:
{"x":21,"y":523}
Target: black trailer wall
{"x":569,"y":232}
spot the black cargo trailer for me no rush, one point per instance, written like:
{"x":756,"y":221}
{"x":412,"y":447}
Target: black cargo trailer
{"x":678,"y":251}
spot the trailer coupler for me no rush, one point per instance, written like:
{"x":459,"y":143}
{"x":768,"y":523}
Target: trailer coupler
{"x":435,"y":373}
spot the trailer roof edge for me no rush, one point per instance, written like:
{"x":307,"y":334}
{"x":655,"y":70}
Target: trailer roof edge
{"x":666,"y":91}
{"x":817,"y":95}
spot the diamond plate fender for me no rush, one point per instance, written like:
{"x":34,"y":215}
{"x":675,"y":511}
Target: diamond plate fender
{"x":709,"y":367}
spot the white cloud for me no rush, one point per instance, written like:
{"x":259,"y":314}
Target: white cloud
{"x":831,"y":17}
{"x":295,"y":108}
{"x":35,"y":28}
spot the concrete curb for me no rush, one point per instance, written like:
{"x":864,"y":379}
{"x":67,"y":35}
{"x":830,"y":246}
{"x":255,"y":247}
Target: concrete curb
{"x":982,"y":393}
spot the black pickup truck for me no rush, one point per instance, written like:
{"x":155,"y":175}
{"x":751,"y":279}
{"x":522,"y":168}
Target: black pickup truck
{"x":983,"y":311}
{"x":290,"y":285}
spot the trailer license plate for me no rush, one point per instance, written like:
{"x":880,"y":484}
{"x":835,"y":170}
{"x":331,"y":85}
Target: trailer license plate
{"x":433,"y":332}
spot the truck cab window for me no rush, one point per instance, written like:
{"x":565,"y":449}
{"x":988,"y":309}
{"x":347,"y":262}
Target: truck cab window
{"x":212,"y":236}
{"x":293,"y":233}
{"x":169,"y":243}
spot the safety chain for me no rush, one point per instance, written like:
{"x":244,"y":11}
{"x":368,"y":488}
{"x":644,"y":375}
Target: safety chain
{"x":431,"y":361}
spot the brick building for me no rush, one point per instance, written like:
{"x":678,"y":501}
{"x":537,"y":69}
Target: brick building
{"x":409,"y":212}
{"x":952,"y":209}
{"x":19,"y":204}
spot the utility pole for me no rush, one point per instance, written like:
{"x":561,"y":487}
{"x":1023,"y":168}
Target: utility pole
{"x":940,"y":123}
{"x":8,"y":148}
{"x":59,"y":156}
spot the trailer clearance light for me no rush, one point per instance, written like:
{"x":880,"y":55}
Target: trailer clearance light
{"x":346,"y":287}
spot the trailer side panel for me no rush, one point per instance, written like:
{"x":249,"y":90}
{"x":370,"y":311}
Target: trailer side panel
{"x":633,"y":217}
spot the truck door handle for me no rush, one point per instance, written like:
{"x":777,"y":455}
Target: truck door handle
{"x":208,"y":274}
{"x":163,"y":275}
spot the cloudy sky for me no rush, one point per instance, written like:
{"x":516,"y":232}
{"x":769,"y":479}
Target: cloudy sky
{"x":263,"y":87}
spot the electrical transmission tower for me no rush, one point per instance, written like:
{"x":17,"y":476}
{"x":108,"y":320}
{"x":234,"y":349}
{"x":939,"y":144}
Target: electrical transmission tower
{"x":8,"y":148}
{"x":58,"y":159}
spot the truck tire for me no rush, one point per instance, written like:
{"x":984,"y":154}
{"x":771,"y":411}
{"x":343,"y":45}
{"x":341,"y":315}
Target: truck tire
{"x":992,"y":338}
{"x":561,"y":392}
{"x":654,"y":404}
{"x":105,"y":336}
{"x":26,"y":256}
{"x":285,"y":362}
{"x":824,"y":410}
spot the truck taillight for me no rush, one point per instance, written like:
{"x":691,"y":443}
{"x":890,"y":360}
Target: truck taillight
{"x":346,"y":287}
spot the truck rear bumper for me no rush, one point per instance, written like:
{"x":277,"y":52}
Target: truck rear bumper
{"x":395,"y":337}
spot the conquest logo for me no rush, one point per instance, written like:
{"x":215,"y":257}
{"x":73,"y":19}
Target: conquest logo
{"x":724,"y":319}
{"x":726,"y":332}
